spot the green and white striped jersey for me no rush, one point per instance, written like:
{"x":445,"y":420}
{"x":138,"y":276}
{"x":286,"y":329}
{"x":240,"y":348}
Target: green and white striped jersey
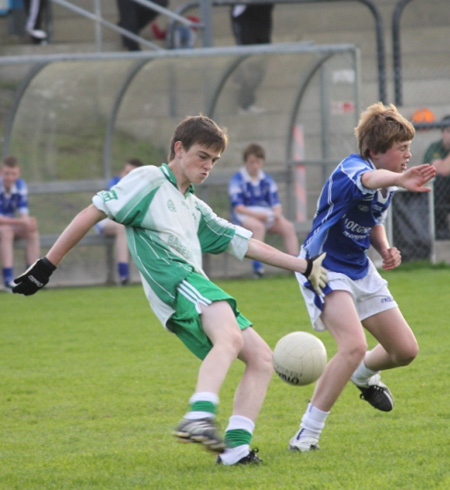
{"x":167,"y":232}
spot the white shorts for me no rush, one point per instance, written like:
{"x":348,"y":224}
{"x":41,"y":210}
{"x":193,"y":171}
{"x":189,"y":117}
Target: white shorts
{"x":259,"y":209}
{"x":370,"y":294}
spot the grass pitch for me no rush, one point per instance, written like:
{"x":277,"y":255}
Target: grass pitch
{"x":91,"y":387}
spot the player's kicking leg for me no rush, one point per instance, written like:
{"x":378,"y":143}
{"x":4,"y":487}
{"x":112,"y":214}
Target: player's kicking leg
{"x":248,"y":400}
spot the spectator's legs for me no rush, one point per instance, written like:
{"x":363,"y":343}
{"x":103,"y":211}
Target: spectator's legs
{"x":6,"y":252}
{"x":134,"y":17}
{"x":258,"y":229}
{"x":129,"y":20}
{"x":111,"y":228}
{"x":8,"y":234}
{"x":250,"y":75}
{"x":146,"y":16}
{"x":34,"y":10}
{"x":286,"y":229}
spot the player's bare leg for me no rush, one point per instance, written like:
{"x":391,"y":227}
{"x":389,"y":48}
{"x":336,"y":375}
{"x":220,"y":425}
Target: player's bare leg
{"x":251,"y":392}
{"x":398,"y":345}
{"x":220,"y":325}
{"x":341,"y":319}
{"x":248,"y":400}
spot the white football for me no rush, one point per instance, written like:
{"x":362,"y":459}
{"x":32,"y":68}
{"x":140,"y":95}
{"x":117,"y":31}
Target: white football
{"x":299,"y":358}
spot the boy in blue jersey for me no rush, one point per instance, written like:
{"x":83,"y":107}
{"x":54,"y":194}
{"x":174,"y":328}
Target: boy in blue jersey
{"x":112,"y":228}
{"x":255,"y":203}
{"x":349,"y":218}
{"x":15,"y":220}
{"x":168,"y":230}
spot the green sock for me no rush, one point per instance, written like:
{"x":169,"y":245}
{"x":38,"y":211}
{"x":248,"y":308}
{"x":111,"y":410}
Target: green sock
{"x":204,"y":406}
{"x":237,"y":437}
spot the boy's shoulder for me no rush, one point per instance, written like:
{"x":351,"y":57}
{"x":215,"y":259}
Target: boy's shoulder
{"x":21,"y":185}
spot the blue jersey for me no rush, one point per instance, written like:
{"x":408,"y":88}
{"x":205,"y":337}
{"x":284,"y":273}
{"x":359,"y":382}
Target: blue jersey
{"x":16,"y":200}
{"x":243,"y":190}
{"x":346,"y":213}
{"x":113,"y":181}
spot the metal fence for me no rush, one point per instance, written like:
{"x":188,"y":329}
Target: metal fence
{"x":72,"y":118}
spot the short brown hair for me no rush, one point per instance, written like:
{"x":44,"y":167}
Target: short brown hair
{"x":199,"y":130}
{"x":135,"y":162}
{"x":254,"y":149}
{"x":10,"y":162}
{"x":380,"y":127}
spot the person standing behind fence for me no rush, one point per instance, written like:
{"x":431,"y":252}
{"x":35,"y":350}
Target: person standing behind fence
{"x":35,"y":10}
{"x":15,"y":221}
{"x":112,"y":228}
{"x":438,"y":154}
{"x":251,"y":24}
{"x":255,"y":203}
{"x":134,"y":17}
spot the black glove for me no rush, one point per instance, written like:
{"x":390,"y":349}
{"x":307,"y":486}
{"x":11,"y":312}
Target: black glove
{"x":34,"y":278}
{"x":316,"y":274}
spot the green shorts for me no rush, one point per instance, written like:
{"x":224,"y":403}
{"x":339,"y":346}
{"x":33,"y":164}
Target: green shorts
{"x":186,"y":322}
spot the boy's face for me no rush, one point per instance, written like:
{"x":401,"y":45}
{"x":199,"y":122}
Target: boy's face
{"x":9,"y":175}
{"x":254,"y":164}
{"x":195,"y":163}
{"x":395,"y":159}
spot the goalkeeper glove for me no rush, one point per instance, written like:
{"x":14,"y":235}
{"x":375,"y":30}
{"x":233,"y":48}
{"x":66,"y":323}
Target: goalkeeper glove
{"x":34,"y":278}
{"x":315,"y":273}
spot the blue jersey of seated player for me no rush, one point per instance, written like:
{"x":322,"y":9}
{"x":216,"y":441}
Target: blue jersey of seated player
{"x":346,"y":213}
{"x":15,"y":200}
{"x":243,"y":190}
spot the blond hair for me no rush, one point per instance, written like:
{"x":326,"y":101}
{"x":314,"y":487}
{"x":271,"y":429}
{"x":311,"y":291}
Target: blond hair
{"x":381,"y":126}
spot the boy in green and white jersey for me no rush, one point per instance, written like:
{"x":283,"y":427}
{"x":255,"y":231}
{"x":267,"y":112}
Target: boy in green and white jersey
{"x":168,"y":229}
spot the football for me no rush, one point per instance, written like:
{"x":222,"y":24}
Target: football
{"x":299,"y":358}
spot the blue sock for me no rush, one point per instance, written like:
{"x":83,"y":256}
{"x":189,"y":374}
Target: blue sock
{"x":123,"y":269}
{"x":8,"y":274}
{"x":257,"y":266}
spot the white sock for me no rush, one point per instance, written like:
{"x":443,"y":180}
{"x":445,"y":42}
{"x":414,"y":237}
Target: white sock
{"x":240,"y":422}
{"x":233,"y":454}
{"x":313,"y":421}
{"x":362,"y":375}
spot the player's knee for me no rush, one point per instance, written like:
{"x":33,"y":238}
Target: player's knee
{"x":355,"y":352}
{"x":259,"y":358}
{"x":265,"y":360}
{"x":259,"y":228}
{"x":235,"y":342}
{"x":290,"y":228}
{"x":406,"y":354}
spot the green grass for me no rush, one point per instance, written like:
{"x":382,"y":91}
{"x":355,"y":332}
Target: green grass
{"x":91,"y":386}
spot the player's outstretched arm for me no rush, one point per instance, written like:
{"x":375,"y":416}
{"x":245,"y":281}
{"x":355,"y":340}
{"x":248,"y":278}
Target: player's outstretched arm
{"x":413,"y":179}
{"x":311,"y":268}
{"x":38,"y":275}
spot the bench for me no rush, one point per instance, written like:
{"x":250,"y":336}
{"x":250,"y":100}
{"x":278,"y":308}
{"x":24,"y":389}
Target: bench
{"x":47,"y":241}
